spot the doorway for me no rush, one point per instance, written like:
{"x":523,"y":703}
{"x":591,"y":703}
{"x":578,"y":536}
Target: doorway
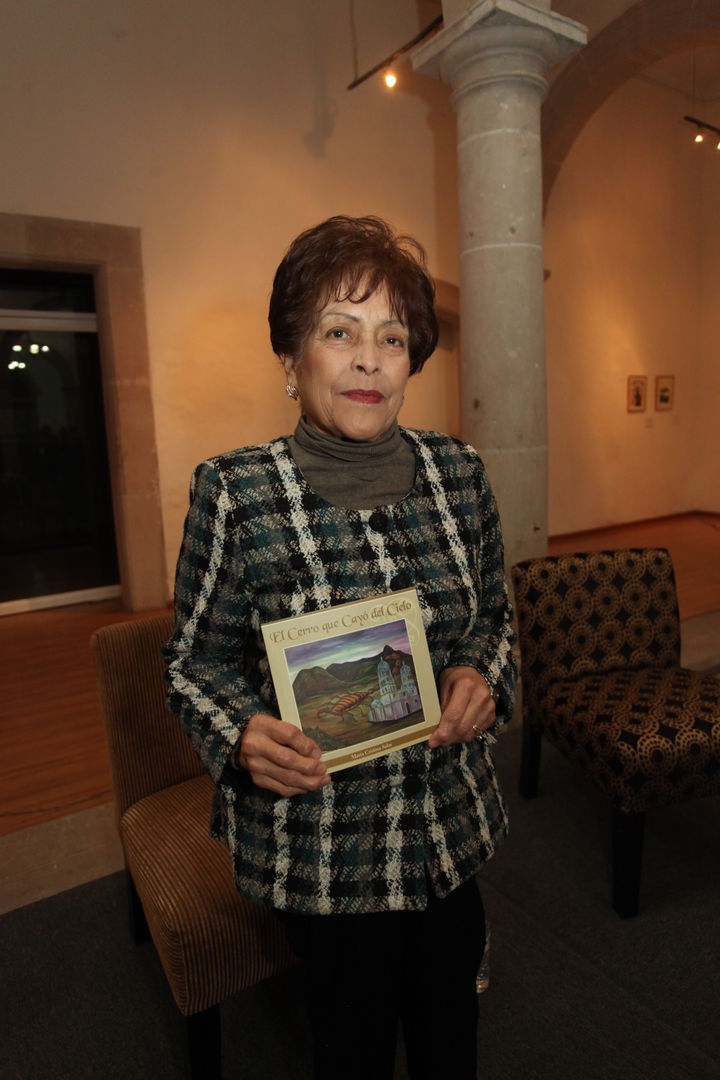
{"x":57,"y":533}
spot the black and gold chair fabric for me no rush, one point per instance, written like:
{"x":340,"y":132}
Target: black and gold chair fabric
{"x":601,"y":680}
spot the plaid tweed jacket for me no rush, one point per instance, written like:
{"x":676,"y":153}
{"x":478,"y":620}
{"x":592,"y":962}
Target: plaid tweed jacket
{"x":259,"y":544}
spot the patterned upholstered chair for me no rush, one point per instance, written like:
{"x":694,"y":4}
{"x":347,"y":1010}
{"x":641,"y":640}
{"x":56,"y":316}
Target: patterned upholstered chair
{"x":601,"y":679}
{"x":210,"y":941}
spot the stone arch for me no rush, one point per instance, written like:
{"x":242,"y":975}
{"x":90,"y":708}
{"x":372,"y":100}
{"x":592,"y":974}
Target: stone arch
{"x":645,"y":33}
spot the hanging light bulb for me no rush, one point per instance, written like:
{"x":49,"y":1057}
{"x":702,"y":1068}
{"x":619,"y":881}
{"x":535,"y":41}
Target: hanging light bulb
{"x":389,"y":78}
{"x":701,"y":126}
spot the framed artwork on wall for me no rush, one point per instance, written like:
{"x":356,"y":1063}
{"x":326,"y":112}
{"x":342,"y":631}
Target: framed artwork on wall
{"x":636,"y":393}
{"x":664,"y":392}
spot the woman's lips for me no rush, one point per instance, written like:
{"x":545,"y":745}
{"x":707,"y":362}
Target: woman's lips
{"x":365,"y":397}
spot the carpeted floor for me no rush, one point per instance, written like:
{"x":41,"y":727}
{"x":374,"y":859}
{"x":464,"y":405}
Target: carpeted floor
{"x":576,"y":993}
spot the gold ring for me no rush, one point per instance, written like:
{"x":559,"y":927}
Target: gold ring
{"x":476,"y":729}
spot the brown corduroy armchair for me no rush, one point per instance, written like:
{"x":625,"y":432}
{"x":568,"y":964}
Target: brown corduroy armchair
{"x":601,"y":680}
{"x":210,"y":941}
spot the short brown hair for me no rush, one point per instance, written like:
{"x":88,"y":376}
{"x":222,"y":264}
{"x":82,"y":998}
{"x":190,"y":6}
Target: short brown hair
{"x":338,"y":258}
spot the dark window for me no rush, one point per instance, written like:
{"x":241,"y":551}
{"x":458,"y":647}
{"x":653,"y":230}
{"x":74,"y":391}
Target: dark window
{"x":56,"y":528}
{"x":46,"y":290}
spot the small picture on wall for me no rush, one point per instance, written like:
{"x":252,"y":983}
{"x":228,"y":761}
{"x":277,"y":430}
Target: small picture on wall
{"x":664,"y":392}
{"x":636,"y":393}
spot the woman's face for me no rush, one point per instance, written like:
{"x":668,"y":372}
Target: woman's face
{"x":352,"y":373}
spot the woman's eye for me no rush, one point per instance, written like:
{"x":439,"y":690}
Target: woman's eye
{"x":337,"y":333}
{"x":396,"y":342}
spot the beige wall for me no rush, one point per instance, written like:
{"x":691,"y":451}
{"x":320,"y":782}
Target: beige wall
{"x":704,"y":476}
{"x":221,"y":131}
{"x":631,"y":263}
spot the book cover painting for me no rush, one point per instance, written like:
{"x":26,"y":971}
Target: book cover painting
{"x":357,"y":678}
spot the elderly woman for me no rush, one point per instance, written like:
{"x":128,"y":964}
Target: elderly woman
{"x":373,"y":867}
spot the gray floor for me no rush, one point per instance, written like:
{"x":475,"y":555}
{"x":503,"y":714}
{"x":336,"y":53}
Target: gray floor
{"x":50,"y":858}
{"x":58,"y":855}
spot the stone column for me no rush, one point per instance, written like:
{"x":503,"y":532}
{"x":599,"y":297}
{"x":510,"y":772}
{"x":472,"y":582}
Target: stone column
{"x":495,"y":54}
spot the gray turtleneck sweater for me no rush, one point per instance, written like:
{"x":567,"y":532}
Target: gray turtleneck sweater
{"x":358,"y":475}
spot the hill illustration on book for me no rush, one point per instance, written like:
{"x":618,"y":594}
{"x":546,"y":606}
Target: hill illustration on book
{"x":357,"y":677}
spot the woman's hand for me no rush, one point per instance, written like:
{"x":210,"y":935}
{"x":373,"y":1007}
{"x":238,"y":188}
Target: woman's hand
{"x":467,"y":707}
{"x":280,"y":758}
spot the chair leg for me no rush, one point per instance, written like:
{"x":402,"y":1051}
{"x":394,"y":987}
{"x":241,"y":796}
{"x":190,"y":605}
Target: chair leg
{"x":627,"y":846}
{"x":139,"y":928}
{"x":530,"y":760}
{"x":204,"y":1044}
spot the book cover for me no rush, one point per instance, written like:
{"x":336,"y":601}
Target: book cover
{"x":357,"y":678}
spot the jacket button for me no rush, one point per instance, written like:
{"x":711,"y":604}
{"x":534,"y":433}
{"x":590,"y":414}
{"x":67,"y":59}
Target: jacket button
{"x":378,"y":521}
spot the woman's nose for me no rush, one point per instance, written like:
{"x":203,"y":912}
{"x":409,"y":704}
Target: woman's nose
{"x":366,"y":357}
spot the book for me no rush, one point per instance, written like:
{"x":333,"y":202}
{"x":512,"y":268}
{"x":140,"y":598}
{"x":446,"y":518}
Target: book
{"x":357,"y":677}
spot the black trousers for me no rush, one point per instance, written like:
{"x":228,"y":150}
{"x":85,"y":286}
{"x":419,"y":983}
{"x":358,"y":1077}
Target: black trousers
{"x":366,"y":973}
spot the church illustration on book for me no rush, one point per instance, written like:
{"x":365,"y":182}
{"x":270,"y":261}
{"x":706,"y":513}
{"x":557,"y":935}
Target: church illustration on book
{"x":393,"y":703}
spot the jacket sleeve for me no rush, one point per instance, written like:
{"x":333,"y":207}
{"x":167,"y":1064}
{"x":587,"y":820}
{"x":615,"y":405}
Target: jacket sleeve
{"x":487,"y":646}
{"x":211,"y":670}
